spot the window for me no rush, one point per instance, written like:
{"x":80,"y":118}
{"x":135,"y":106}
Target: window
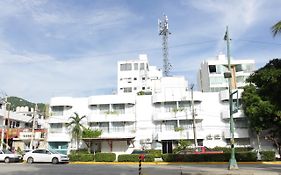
{"x":143,"y":78}
{"x":127,"y":89}
{"x":238,"y":68}
{"x":142,"y":66}
{"x":143,"y":88}
{"x":104,"y":108}
{"x":57,"y":110}
{"x":135,"y":78}
{"x":119,"y":108}
{"x":126,"y":67}
{"x":118,"y":127}
{"x":170,"y":125}
{"x":135,"y":88}
{"x":212,"y":68}
{"x":136,"y":66}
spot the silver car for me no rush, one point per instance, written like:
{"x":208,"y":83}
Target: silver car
{"x":7,"y":156}
{"x":45,"y":155}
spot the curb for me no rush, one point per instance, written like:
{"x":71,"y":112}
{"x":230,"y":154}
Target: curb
{"x":172,"y":163}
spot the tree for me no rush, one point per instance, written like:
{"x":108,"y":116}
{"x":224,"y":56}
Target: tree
{"x":261,"y":101}
{"x":77,"y":127}
{"x":276,"y":28}
{"x":87,"y":134}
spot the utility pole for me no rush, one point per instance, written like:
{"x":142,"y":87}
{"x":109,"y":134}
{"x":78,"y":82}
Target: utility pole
{"x":33,"y":126}
{"x":8,"y":120}
{"x":3,"y":125}
{"x":232,"y":161}
{"x":193,"y":118}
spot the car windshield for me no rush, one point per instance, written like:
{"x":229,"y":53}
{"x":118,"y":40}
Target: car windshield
{"x":6,"y":151}
{"x":53,"y":151}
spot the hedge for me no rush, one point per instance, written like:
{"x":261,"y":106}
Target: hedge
{"x":228,"y":149}
{"x":268,"y":155}
{"x":155,"y":153}
{"x":81,"y":157}
{"x":243,"y":156}
{"x":134,"y":158}
{"x":105,"y":157}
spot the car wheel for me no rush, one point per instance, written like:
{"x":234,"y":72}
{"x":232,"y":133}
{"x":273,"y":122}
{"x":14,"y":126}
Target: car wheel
{"x":7,"y":160}
{"x":55,"y":160}
{"x":30,"y":160}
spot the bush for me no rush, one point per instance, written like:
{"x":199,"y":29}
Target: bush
{"x":268,"y":155}
{"x":228,"y":150}
{"x":246,"y":156}
{"x":81,"y":157}
{"x":243,"y":156}
{"x":134,"y":158}
{"x":105,"y":157}
{"x":80,"y":151}
{"x":128,"y":158}
{"x":155,"y":153}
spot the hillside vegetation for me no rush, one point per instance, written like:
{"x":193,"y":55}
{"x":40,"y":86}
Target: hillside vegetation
{"x":16,"y":101}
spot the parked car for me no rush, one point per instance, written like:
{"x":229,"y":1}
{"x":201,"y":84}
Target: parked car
{"x":138,"y":151}
{"x":45,"y":155}
{"x":7,"y":156}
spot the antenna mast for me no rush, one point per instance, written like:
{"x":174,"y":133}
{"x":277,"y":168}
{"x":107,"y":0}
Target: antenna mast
{"x":163,"y":30}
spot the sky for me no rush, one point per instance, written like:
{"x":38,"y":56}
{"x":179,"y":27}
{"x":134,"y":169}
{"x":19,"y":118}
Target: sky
{"x":71,"y":47}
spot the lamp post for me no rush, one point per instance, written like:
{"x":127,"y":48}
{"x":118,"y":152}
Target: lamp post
{"x":232,"y":161}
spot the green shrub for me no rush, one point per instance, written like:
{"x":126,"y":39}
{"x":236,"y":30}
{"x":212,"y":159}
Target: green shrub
{"x":80,"y":151}
{"x":81,"y":157}
{"x":246,"y":156}
{"x":243,"y":156}
{"x":155,"y":153}
{"x":74,"y":157}
{"x":134,"y":158}
{"x":149,"y":158}
{"x":105,"y":157}
{"x":128,"y":158}
{"x":268,"y":155}
{"x":228,"y":149}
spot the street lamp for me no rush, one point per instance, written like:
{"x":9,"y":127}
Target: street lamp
{"x":232,"y":161}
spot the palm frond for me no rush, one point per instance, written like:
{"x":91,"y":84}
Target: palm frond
{"x":276,"y":28}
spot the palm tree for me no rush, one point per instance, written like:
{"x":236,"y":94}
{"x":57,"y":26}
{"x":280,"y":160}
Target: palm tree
{"x":276,"y":28}
{"x":77,"y":127}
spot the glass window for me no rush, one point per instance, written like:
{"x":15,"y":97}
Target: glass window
{"x":57,"y":110}
{"x":127,"y":89}
{"x":142,"y":66}
{"x":119,"y":108}
{"x":238,"y":68}
{"x":118,"y":127}
{"x":126,"y":67}
{"x":136,"y":66}
{"x":212,"y":68}
{"x":104,"y":108}
{"x":170,"y":125}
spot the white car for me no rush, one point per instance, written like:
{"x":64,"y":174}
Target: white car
{"x":7,"y":156}
{"x":45,"y":155}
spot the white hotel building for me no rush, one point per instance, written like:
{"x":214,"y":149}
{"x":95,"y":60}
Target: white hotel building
{"x":153,"y":112}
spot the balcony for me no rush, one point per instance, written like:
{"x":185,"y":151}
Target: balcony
{"x":185,"y":96}
{"x":58,"y":119}
{"x":173,"y":135}
{"x":224,"y":95}
{"x":61,"y":101}
{"x":111,"y":99}
{"x":225,"y":114}
{"x":59,"y":137}
{"x":111,"y":117}
{"x":238,"y":133}
{"x":179,"y":115}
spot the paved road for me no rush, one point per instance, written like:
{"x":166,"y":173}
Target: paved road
{"x":70,"y":169}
